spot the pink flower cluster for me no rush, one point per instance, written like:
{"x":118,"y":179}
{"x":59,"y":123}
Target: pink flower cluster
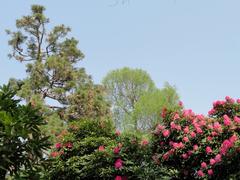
{"x":178,"y":137}
{"x":118,"y":164}
{"x":228,"y":143}
{"x":120,"y":178}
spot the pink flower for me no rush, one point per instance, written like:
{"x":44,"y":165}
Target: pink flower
{"x":118,"y":178}
{"x":203,"y":165}
{"x":117,"y":133}
{"x":210,"y":172}
{"x":225,"y":146}
{"x":54,"y":154}
{"x":162,"y":143}
{"x":185,"y":139}
{"x":199,"y":130}
{"x":118,"y":164}
{"x":185,"y":156}
{"x":173,"y":125}
{"x":201,"y":117}
{"x":233,"y":138}
{"x":209,"y":138}
{"x":186,"y":130}
{"x":218,"y":158}
{"x":210,"y":126}
{"x":160,"y":127}
{"x":175,"y":145}
{"x":178,"y":127}
{"x":195,"y":147}
{"x":164,"y":112}
{"x":58,"y":145}
{"x":214,"y":133}
{"x":229,"y":99}
{"x":190,"y":153}
{"x":116,"y":150}
{"x":165,"y":157}
{"x":69,"y":145}
{"x":215,"y":104}
{"x":144,"y":142}
{"x":208,"y":150}
{"x":187,"y":113}
{"x":218,"y":103}
{"x":217,"y":126}
{"x":227,"y":121}
{"x":180,"y":145}
{"x":171,"y":151}
{"x":180,"y":103}
{"x":166,"y":133}
{"x":200,"y":173}
{"x":236,"y":119}
{"x":202,"y":123}
{"x":238,"y":101}
{"x":176,"y":116}
{"x":193,"y":134}
{"x":211,"y":112}
{"x":212,"y":162}
{"x":101,"y":148}
{"x":227,"y":143}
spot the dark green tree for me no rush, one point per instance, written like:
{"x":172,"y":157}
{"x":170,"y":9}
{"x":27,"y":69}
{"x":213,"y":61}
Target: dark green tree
{"x":22,"y":144}
{"x":55,"y":83}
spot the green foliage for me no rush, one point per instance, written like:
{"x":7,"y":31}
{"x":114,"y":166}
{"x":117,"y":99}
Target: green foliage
{"x":95,"y":150}
{"x":148,"y":109}
{"x":55,"y":83}
{"x":21,"y":142}
{"x":124,"y":88}
{"x":82,"y":160}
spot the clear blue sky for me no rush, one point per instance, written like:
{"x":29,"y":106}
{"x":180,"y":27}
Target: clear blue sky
{"x":193,"y":44}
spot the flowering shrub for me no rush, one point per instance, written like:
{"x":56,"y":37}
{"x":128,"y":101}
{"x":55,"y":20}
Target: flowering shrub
{"x":199,"y":146}
{"x":185,"y":146}
{"x":93,"y":150}
{"x":79,"y":153}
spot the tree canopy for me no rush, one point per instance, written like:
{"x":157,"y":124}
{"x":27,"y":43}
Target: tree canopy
{"x":146,"y":113}
{"x":54,"y":79}
{"x":124,"y":87}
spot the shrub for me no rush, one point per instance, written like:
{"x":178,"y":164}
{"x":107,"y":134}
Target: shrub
{"x":199,"y":146}
{"x":21,"y":142}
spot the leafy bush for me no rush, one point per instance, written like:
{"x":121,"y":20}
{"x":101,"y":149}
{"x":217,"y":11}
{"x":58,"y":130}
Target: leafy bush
{"x":198,"y":146}
{"x":21,"y":142}
{"x":76,"y":155}
{"x":185,"y":146}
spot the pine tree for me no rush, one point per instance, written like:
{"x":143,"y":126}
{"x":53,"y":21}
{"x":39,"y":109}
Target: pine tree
{"x":55,"y":82}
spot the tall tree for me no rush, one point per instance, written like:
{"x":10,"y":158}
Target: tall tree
{"x":54,"y":81}
{"x":124,"y":87}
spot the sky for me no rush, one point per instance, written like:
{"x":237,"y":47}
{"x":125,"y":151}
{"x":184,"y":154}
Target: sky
{"x":192,"y":44}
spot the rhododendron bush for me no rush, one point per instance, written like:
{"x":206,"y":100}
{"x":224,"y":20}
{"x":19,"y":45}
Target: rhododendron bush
{"x":199,"y":146}
{"x":185,"y":145}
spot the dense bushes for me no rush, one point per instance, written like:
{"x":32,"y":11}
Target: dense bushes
{"x":185,"y":146}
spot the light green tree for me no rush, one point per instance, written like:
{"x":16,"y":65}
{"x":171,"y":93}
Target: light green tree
{"x":124,"y":87}
{"x":147,"y":110}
